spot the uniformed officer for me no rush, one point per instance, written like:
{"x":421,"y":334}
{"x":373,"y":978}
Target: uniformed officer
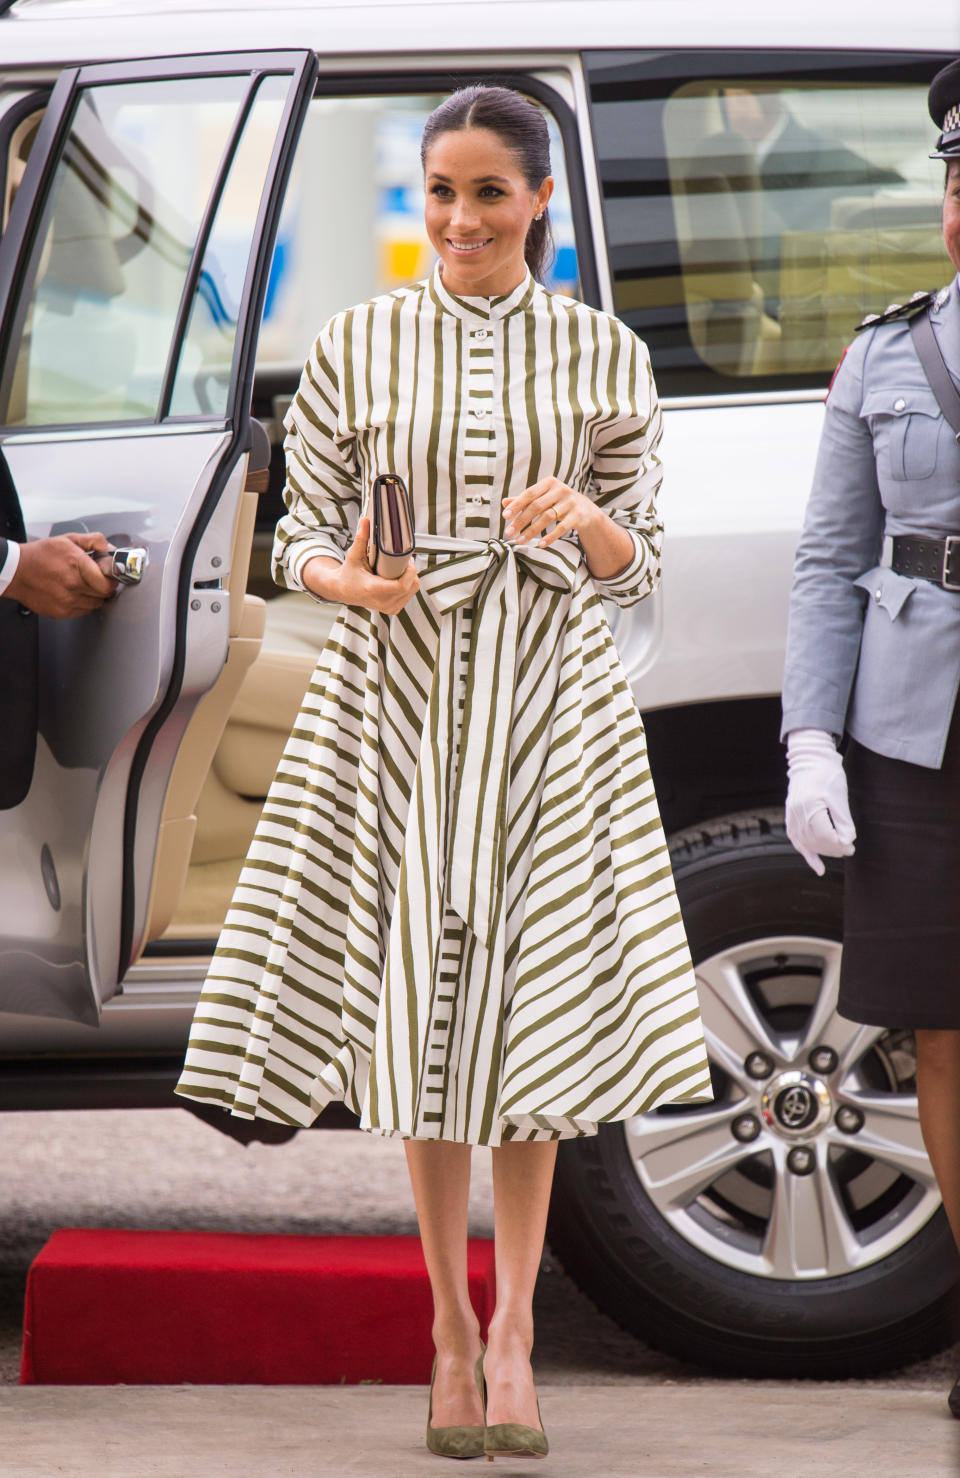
{"x":873,"y":652}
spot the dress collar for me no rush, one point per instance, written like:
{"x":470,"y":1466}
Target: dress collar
{"x":481,"y":308}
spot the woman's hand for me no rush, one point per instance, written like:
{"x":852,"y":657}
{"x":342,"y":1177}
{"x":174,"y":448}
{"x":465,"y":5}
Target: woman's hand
{"x":353,"y":583}
{"x":548,"y":505}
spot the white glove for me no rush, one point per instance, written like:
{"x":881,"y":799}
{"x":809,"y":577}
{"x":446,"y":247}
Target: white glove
{"x":818,"y":812}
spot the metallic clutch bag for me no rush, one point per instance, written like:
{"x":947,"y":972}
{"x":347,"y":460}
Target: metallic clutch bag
{"x":391,"y":540}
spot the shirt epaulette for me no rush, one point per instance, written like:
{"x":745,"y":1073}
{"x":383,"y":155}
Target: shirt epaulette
{"x":918,"y":303}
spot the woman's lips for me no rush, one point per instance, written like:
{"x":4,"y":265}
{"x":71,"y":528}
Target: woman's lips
{"x":467,"y":248}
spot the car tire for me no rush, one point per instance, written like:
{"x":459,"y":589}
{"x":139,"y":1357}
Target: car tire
{"x":703,"y":1281}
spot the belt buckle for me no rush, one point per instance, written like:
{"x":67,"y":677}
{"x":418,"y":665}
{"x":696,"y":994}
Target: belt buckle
{"x":951,"y":543}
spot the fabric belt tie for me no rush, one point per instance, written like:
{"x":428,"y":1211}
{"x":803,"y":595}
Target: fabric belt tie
{"x":485,"y":572}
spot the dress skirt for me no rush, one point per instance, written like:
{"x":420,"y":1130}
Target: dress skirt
{"x":901,"y":931}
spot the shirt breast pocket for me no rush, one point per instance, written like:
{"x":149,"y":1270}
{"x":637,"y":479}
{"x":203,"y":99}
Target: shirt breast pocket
{"x":906,"y":426}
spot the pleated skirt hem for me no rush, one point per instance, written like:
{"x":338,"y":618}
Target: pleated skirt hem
{"x":519,"y":1128}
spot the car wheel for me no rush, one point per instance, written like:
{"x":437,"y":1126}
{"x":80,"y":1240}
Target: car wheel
{"x":793,"y":1226}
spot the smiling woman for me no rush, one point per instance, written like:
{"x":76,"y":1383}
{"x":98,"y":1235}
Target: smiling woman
{"x":486,"y":161}
{"x":457,"y":913}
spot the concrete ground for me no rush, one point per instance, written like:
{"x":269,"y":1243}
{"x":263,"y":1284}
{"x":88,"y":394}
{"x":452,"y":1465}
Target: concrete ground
{"x":720,"y":1430}
{"x":612,"y":1406}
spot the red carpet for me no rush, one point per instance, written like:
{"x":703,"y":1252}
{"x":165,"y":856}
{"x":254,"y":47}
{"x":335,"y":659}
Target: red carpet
{"x":218,"y":1308}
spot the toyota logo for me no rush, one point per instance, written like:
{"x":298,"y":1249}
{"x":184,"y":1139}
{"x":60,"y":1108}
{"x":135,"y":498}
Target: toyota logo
{"x":795,"y":1103}
{"x":795,"y":1107}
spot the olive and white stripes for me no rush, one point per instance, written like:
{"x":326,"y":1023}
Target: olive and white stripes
{"x":458,"y":913}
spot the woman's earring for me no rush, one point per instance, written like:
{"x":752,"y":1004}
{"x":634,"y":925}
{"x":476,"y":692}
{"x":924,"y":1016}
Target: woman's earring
{"x":539,"y":215}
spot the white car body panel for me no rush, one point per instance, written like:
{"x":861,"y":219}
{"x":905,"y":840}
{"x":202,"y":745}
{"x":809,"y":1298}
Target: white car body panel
{"x":473,"y":26}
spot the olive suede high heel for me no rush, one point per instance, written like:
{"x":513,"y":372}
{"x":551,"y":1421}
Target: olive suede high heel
{"x":513,"y":1439}
{"x":462,"y":1441}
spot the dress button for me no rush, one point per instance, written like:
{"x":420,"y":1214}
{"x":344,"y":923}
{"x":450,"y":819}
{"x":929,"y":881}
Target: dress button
{"x":899,"y":405}
{"x":479,"y":333}
{"x":878,"y":595}
{"x":480,"y":412}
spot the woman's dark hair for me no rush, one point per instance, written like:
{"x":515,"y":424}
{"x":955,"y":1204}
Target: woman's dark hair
{"x":522,"y":127}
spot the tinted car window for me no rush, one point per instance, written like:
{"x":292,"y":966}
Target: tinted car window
{"x":754,"y":217}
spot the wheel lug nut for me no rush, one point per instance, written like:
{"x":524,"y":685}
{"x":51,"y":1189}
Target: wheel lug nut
{"x":823,"y":1060}
{"x":848,"y":1119}
{"x":745,"y":1128}
{"x":759,"y":1065}
{"x":802,"y":1160}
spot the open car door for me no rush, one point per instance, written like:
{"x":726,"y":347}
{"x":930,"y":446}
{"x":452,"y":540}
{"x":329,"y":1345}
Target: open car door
{"x":132,"y":281}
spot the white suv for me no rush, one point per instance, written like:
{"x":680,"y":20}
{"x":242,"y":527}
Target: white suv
{"x":183,"y":205}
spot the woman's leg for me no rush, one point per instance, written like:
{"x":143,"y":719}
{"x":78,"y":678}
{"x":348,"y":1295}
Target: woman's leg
{"x":938,"y":1092}
{"x":522,"y":1177}
{"x":440,"y":1177}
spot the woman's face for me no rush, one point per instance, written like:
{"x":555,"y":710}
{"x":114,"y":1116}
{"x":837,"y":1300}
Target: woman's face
{"x":478,"y":211}
{"x":951,"y":213}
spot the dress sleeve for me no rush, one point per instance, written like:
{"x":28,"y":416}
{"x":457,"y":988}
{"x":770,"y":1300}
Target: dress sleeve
{"x":323,"y":489}
{"x":627,"y":473}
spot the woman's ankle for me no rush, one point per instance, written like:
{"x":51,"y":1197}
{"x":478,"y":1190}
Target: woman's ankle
{"x":457,"y":1335}
{"x":511,"y":1327}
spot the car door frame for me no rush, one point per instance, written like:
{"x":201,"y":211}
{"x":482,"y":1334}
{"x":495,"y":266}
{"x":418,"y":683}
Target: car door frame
{"x":28,"y":216}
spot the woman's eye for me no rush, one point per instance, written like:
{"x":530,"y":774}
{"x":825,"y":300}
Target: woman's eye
{"x":439,"y":190}
{"x":491,"y":190}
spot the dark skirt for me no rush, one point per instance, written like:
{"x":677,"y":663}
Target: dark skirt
{"x":901,"y":926}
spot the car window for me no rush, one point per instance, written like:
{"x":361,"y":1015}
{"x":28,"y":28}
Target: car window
{"x":352,"y":223}
{"x":110,"y":261}
{"x":754,"y":220}
{"x":202,"y":382}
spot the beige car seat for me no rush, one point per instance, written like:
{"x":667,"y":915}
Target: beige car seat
{"x":239,"y":769}
{"x":717,"y":199}
{"x":234,"y":740}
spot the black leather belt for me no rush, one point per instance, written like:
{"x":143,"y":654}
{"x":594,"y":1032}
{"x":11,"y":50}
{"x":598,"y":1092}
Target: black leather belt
{"x":929,"y":559}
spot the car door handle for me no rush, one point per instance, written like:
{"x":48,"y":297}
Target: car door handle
{"x":125,"y":565}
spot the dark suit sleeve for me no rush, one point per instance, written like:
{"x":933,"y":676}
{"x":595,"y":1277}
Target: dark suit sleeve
{"x":18,"y":696}
{"x":807,"y":162}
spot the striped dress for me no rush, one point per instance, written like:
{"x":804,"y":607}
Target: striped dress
{"x":457,"y":913}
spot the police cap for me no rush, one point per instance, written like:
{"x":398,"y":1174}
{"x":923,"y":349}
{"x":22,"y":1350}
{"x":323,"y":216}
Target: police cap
{"x":943,"y":100}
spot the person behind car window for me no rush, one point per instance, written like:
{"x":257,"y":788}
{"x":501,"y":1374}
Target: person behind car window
{"x":873,"y":652}
{"x":458,"y":913}
{"x":800,"y":172}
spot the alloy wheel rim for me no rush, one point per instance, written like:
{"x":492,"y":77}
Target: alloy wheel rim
{"x":810,"y":1164}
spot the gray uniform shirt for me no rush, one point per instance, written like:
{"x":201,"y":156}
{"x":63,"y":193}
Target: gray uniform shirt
{"x":869,"y":651}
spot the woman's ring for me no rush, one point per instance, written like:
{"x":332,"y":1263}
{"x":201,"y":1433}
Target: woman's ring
{"x":556,"y":516}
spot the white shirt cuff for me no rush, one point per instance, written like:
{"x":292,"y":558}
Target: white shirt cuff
{"x":9,"y":567}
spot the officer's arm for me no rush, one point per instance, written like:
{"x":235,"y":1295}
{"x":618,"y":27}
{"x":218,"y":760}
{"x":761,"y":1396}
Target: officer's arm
{"x":842,"y":538}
